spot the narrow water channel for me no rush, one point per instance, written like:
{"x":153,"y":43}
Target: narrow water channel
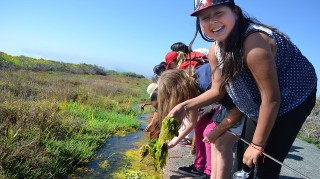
{"x":112,"y":154}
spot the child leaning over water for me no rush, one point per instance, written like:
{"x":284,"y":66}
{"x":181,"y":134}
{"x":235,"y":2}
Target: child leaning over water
{"x":175,"y":86}
{"x":153,"y":127}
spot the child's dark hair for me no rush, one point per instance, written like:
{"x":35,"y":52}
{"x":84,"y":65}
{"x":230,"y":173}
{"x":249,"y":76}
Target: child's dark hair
{"x":232,"y":52}
{"x":154,"y":95}
{"x":158,"y":69}
{"x":179,"y":46}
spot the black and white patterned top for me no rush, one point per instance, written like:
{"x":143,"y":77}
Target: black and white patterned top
{"x":296,"y":75}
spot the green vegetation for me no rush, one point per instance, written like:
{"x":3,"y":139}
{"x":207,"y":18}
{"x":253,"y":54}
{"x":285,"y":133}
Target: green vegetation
{"x":127,"y":74}
{"x":8,"y":62}
{"x":51,"y":122}
{"x":158,"y":148}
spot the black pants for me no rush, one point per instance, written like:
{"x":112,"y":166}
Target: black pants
{"x":280,"y":140}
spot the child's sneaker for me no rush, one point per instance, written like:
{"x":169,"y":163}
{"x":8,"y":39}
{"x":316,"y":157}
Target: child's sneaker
{"x":191,"y":170}
{"x":185,"y":142}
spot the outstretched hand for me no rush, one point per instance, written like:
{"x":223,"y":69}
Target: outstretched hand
{"x":173,"y":142}
{"x":143,"y":105}
{"x":178,"y":112}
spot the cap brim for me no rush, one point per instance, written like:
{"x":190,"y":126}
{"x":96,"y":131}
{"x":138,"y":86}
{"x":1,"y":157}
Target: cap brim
{"x":195,"y":13}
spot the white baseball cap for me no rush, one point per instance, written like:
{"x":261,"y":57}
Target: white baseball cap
{"x":202,"y":50}
{"x":151,"y":88}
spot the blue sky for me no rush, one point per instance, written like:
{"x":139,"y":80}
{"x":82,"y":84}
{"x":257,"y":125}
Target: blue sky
{"x":133,"y":36}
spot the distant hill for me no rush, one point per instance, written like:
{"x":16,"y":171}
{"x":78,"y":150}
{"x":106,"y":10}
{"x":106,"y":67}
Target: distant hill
{"x":8,"y":62}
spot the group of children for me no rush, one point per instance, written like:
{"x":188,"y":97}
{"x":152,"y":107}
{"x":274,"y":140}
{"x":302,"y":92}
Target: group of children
{"x":256,"y":84}
{"x":165,"y":85}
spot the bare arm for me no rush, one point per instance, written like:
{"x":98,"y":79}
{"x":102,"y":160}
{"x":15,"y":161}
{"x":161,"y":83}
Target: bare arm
{"x":259,"y":57}
{"x":144,"y":104}
{"x":152,"y":122}
{"x":260,"y":60}
{"x":233,"y":116}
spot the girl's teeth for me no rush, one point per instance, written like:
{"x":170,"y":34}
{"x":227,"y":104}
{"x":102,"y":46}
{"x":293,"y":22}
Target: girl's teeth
{"x":215,"y":30}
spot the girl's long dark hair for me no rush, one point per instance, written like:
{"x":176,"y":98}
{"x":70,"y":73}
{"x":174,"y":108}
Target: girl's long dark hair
{"x":232,"y":50}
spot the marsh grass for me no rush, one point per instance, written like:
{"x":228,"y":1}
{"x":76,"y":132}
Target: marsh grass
{"x":51,"y":122}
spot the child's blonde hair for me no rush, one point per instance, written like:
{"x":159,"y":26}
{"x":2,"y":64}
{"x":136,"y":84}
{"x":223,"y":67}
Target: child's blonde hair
{"x":174,"y":87}
{"x":181,"y":57}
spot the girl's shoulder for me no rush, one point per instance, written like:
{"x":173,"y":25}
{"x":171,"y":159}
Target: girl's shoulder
{"x":259,"y":37}
{"x":255,"y":32}
{"x":256,"y":47}
{"x":252,"y":28}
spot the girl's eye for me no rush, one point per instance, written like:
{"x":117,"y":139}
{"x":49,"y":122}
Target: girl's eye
{"x":204,"y":18}
{"x":218,"y":13}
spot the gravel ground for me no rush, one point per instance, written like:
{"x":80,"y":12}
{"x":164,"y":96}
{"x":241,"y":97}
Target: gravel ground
{"x":303,"y":157}
{"x":178,"y":156}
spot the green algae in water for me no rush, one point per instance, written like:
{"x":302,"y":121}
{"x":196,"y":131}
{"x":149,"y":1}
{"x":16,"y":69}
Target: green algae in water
{"x":149,"y":148}
{"x":158,"y":148}
{"x":134,"y":174}
{"x":104,"y":164}
{"x":136,"y":169}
